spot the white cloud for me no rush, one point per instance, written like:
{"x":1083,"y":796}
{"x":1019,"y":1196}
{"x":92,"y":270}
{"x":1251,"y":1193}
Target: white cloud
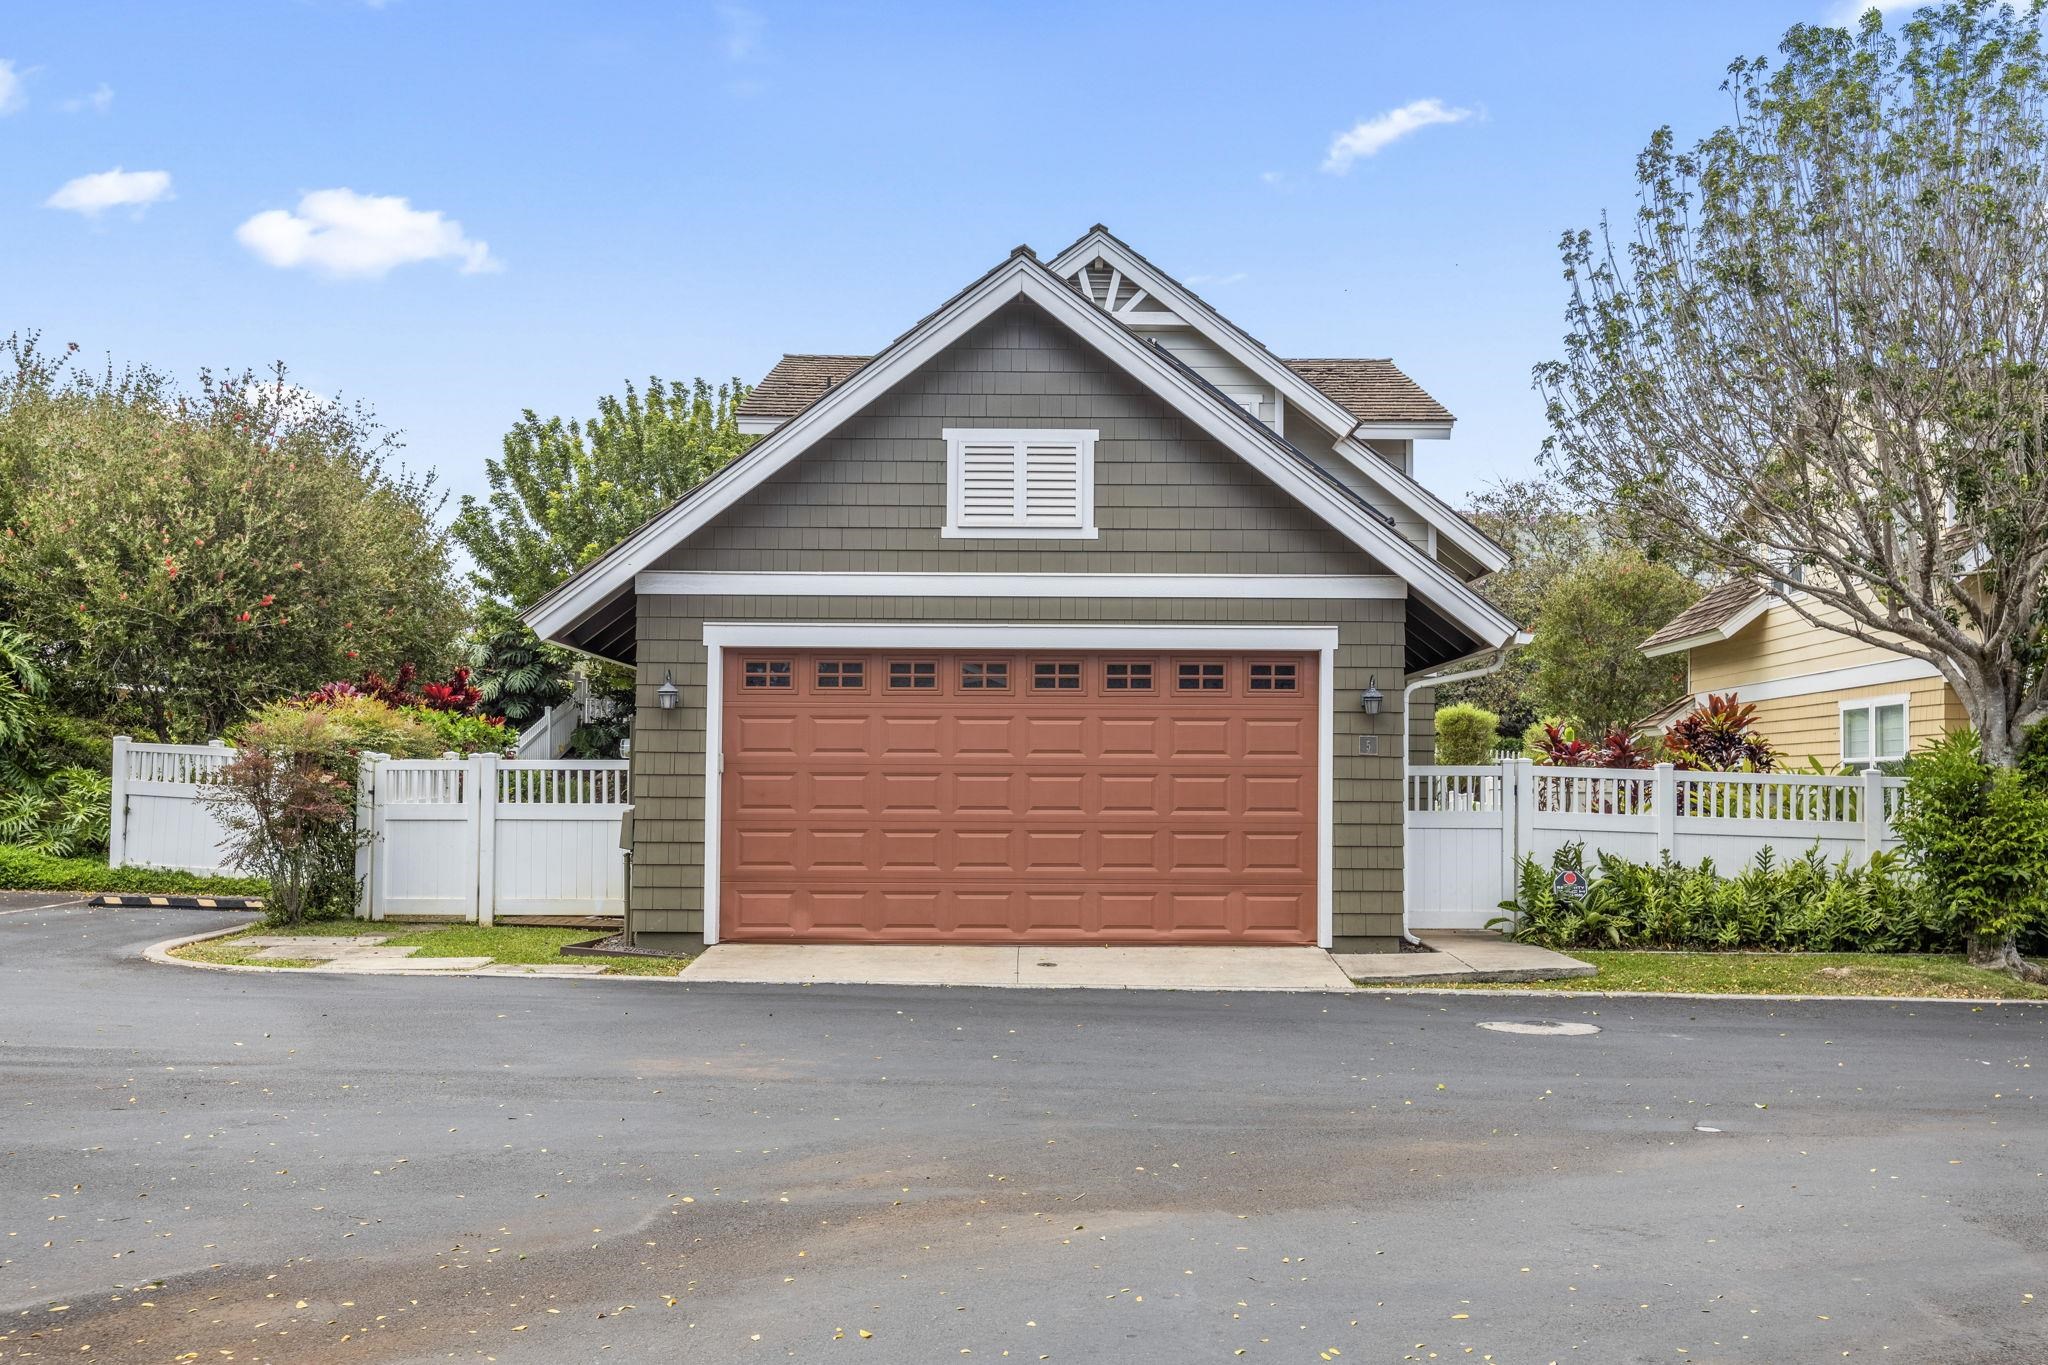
{"x":339,"y":232}
{"x":740,"y":32}
{"x":99,"y":101}
{"x":94,"y":194}
{"x":1368,"y":136}
{"x":13,"y":92}
{"x":1848,"y":12}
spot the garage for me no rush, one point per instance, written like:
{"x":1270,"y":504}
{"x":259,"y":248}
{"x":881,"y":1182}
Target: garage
{"x":1024,"y":796}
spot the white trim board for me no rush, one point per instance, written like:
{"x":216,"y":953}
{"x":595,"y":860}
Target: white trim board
{"x":1322,"y":640}
{"x":1021,"y":277}
{"x":1833,"y":680}
{"x":1276,"y":587}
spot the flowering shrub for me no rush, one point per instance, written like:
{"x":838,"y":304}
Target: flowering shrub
{"x":288,"y":805}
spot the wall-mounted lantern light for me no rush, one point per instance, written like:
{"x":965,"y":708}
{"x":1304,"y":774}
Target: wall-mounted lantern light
{"x":668,"y":691}
{"x":1370,"y":699}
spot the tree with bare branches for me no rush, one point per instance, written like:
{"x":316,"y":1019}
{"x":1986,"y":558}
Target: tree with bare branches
{"x":1821,"y":349}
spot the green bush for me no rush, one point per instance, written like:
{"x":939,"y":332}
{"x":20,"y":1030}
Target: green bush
{"x":1979,"y":835}
{"x":462,"y":734}
{"x":23,"y":869}
{"x":65,"y":813}
{"x":1466,"y":734}
{"x":1806,"y":905}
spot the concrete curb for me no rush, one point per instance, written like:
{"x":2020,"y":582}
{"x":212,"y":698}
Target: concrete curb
{"x":1365,"y":988}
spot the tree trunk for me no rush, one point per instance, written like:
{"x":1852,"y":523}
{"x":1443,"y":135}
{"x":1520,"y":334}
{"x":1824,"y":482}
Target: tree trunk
{"x":2003,"y":955}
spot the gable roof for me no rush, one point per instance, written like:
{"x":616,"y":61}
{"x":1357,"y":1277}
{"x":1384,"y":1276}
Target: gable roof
{"x":597,"y":586}
{"x":1371,"y":390}
{"x":1725,"y":609}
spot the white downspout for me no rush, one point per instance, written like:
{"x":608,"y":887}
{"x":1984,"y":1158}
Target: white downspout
{"x":1500,"y":656}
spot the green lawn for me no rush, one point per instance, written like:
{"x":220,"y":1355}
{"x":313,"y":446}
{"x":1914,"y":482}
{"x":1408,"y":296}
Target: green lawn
{"x":23,"y":870}
{"x":1941,"y":975}
{"x":501,"y":943}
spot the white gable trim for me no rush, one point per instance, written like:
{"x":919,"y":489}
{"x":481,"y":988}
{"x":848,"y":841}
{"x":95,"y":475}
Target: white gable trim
{"x":1727,"y":630}
{"x":1220,"y":329}
{"x":1021,"y":277}
{"x":1291,"y":387}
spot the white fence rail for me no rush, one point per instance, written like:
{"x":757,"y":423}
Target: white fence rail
{"x":1469,"y":827}
{"x":477,"y":838}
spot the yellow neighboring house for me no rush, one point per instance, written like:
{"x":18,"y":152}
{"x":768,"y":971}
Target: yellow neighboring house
{"x":1817,"y":694}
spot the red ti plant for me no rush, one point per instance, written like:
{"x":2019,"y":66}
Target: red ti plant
{"x":1561,"y":747}
{"x":1721,"y":737}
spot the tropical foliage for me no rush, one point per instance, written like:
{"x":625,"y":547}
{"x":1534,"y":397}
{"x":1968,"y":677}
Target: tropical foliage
{"x":1720,"y":736}
{"x":1979,"y":834}
{"x":1806,"y":904}
{"x":1559,"y":746}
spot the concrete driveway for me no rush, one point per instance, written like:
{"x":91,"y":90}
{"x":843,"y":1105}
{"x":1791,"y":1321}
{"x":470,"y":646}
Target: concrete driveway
{"x":1166,"y":968}
{"x":342,"y":1169}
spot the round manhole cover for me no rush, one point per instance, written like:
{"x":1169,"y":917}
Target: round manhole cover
{"x":1549,"y":1027}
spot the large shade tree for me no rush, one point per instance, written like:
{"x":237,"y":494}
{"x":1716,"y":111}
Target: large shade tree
{"x":1821,"y":347}
{"x":186,"y":554}
{"x":563,"y":493}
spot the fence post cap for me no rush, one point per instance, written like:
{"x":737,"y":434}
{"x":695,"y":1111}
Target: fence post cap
{"x":216,"y":744}
{"x":1666,"y":767}
{"x":450,"y":753}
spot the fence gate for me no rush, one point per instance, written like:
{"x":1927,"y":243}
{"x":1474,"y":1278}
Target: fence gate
{"x":422,"y":857}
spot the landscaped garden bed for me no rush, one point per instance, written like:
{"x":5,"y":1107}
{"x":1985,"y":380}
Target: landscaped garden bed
{"x":503,"y":944}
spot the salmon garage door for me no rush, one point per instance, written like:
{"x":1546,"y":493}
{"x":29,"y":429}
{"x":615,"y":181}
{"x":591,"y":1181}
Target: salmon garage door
{"x":911,"y":797}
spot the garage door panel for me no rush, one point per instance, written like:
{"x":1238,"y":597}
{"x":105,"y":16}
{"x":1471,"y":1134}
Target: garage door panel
{"x":957,"y":813}
{"x":1055,"y":794}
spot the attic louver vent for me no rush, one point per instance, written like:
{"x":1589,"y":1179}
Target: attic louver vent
{"x":1020,"y":483}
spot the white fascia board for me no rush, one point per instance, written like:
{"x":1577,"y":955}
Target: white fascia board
{"x":1727,"y":630}
{"x":1273,"y":587}
{"x":1221,"y":330}
{"x":1392,"y":481}
{"x":1019,"y":277}
{"x":758,"y":426}
{"x":1070,"y":635}
{"x":1402,"y":431}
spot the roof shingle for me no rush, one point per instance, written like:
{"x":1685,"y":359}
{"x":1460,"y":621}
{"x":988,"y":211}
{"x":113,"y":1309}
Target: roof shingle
{"x":1716,"y":609}
{"x":1371,"y":390}
{"x":796,"y":382}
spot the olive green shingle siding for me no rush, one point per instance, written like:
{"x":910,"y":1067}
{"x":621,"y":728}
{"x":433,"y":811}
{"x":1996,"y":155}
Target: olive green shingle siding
{"x":872,"y":498}
{"x":669,"y":746}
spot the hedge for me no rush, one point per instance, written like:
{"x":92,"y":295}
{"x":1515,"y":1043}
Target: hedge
{"x":24,"y":870}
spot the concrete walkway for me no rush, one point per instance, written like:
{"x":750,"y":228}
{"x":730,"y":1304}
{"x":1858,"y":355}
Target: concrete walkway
{"x":1464,"y":955}
{"x":1162,"y":968}
{"x":370,"y":955}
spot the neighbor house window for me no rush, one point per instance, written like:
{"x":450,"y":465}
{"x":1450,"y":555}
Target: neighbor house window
{"x":1873,"y":731}
{"x":1003,"y":483}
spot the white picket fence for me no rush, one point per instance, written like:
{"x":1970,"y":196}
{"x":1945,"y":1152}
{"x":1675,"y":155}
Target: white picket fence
{"x":478,"y":838}
{"x":1469,"y":827}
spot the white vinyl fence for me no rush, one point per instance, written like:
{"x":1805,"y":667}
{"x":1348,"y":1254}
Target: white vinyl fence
{"x":477,"y":838}
{"x":1468,"y":827}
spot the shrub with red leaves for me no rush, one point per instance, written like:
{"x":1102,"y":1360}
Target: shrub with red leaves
{"x":1720,"y":737}
{"x":1561,"y":747}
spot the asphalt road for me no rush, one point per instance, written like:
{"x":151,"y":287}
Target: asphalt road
{"x":205,"y":1166}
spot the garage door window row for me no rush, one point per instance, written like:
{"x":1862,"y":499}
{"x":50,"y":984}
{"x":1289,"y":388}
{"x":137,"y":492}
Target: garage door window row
{"x":1190,"y":677}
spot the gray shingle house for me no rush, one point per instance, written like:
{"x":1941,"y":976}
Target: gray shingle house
{"x":1049,"y":622}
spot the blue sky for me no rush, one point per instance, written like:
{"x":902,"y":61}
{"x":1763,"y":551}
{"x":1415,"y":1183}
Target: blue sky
{"x":597,"y":192}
